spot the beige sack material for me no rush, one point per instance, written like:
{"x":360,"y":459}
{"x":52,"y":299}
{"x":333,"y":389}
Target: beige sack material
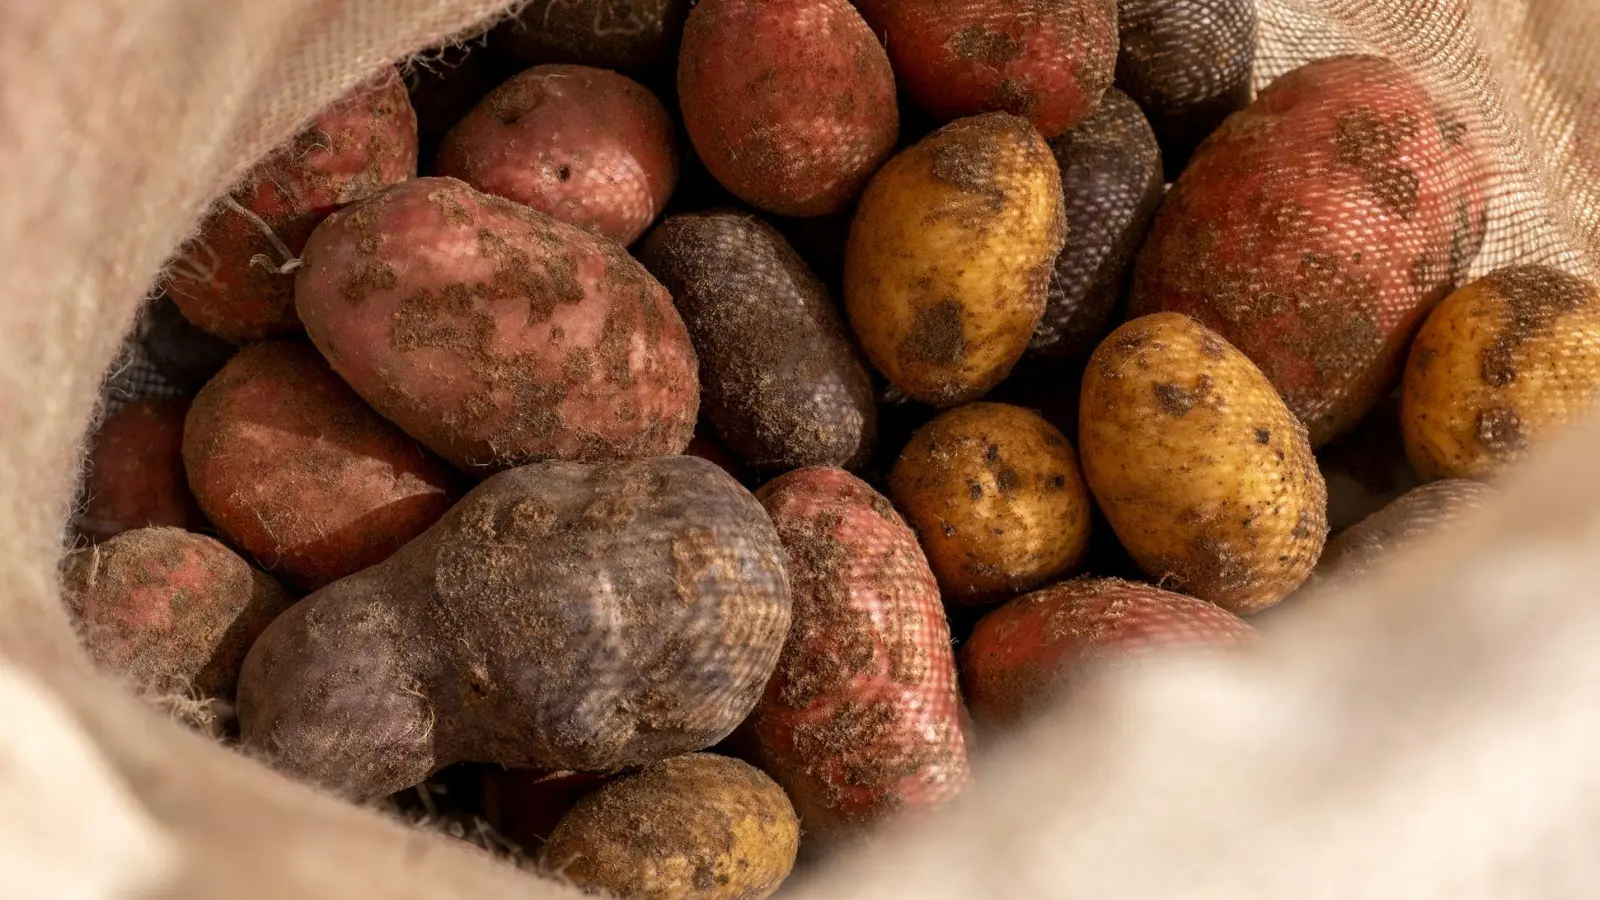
{"x":1433,"y":736}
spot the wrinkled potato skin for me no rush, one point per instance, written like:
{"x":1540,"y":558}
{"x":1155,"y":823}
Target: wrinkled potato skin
{"x":1030,"y":651}
{"x":494,"y":334}
{"x":227,"y":279}
{"x":561,"y":616}
{"x":862,"y":719}
{"x":1500,"y":365}
{"x":1204,"y":474}
{"x":1315,"y":230}
{"x":695,"y":827}
{"x":173,"y":611}
{"x":586,"y":146}
{"x":790,"y":103}
{"x":135,"y":477}
{"x":782,"y":384}
{"x":949,"y":256}
{"x":291,"y":467}
{"x":997,"y":499}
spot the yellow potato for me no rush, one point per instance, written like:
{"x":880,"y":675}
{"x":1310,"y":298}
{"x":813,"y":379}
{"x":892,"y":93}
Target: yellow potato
{"x":698,"y":826}
{"x":949,"y":256}
{"x":997,"y":499}
{"x":1500,"y":365}
{"x":1204,"y":474}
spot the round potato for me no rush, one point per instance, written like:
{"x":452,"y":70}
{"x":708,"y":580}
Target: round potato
{"x":997,"y":499}
{"x":1500,"y":365}
{"x":696,"y":826}
{"x":949,"y":256}
{"x":1201,"y":469}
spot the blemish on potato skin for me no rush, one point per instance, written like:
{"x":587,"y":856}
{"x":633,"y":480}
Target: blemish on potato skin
{"x":936,"y":337}
{"x":1500,"y":431}
{"x":1173,"y":400}
{"x":978,"y":42}
{"x":1535,"y":297}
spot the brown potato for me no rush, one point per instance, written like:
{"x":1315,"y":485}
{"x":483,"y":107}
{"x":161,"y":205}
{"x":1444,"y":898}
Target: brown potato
{"x":700,"y":826}
{"x":1203,"y":472}
{"x":561,"y":616}
{"x":1500,"y":366}
{"x":997,"y":500}
{"x":949,"y":256}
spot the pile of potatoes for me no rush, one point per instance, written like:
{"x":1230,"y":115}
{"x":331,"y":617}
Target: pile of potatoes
{"x":694,"y":429}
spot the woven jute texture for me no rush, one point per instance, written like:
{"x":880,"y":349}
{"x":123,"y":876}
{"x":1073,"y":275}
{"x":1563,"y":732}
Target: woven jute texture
{"x":1430,"y":732}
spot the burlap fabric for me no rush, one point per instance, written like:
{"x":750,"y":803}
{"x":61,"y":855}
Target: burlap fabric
{"x":1430,"y":732}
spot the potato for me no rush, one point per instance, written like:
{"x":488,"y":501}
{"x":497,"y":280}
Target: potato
{"x":135,"y":477}
{"x":234,"y":278}
{"x":1314,"y":231}
{"x":561,"y":616}
{"x":494,"y":334}
{"x":1204,"y":474}
{"x":700,"y":826}
{"x":1499,"y":367}
{"x":781,"y":383}
{"x":1027,"y":653}
{"x":1111,"y":180}
{"x":587,"y":146}
{"x":636,"y":36}
{"x":949,"y":256}
{"x":862,"y":718}
{"x":790,"y":103}
{"x":170,"y":610}
{"x":294,"y":469}
{"x":1187,"y":63}
{"x":1417,"y":514}
{"x":997,"y":499}
{"x":1046,"y":60}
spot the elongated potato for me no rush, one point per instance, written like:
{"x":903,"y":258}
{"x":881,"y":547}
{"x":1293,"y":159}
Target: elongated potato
{"x":949,"y":256}
{"x":1203,"y":472}
{"x":695,"y":827}
{"x":997,"y":499}
{"x":1501,"y":365}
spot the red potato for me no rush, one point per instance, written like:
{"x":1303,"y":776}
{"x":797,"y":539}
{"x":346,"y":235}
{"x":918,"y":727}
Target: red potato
{"x":494,"y":334}
{"x":790,"y":103}
{"x":1048,"y":61}
{"x":1316,"y":229}
{"x":173,"y":611}
{"x":862,"y":718}
{"x":589,"y":147}
{"x":1024,"y":654}
{"x":135,"y":476}
{"x":234,"y":279}
{"x":293,"y":468}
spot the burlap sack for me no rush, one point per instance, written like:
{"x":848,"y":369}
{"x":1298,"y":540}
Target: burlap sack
{"x":1429,"y":733}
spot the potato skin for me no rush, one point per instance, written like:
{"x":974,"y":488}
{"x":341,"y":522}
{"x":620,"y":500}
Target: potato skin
{"x":790,"y":103}
{"x":171,"y":610}
{"x":1028,"y":652}
{"x":561,"y":616}
{"x":494,"y":334}
{"x":1499,"y":366}
{"x":997,"y":499}
{"x":634,"y":36}
{"x":1187,"y":63}
{"x":1204,"y":474}
{"x":1111,"y":181}
{"x":586,"y":146}
{"x":1049,"y":61}
{"x":1416,"y":514}
{"x":949,"y":256}
{"x":862,"y":717}
{"x":135,"y":477}
{"x":1315,"y":229}
{"x":294,"y":469}
{"x":229,"y":279}
{"x":695,"y":826}
{"x":781,"y":383}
